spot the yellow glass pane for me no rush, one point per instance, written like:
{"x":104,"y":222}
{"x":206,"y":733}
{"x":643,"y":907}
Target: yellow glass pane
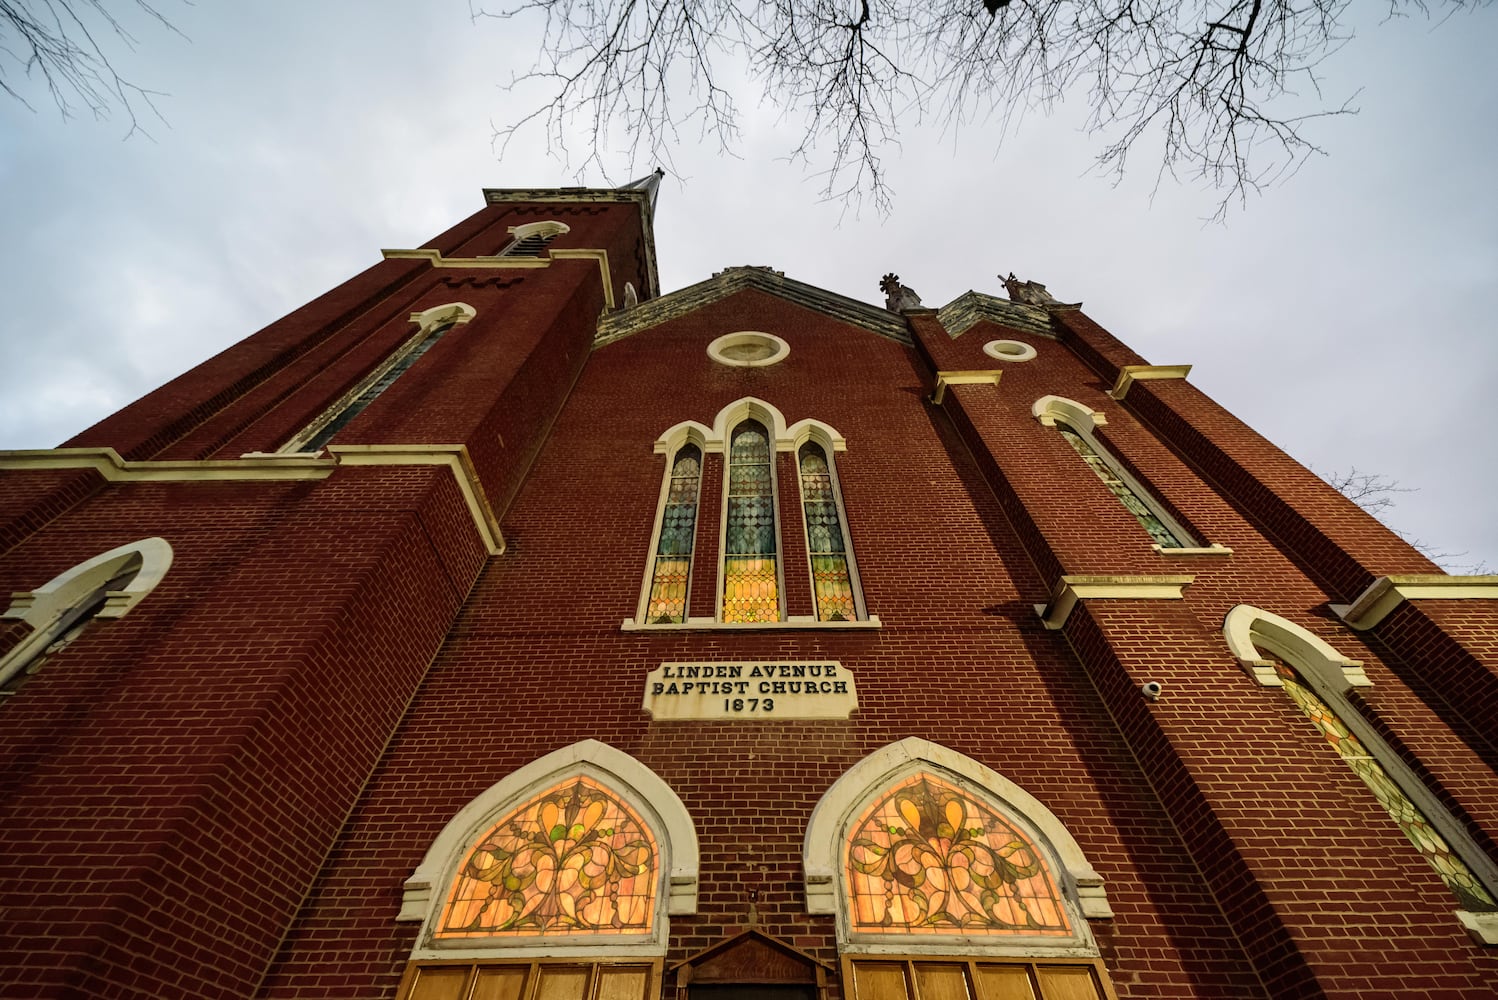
{"x":627,"y":982}
{"x":499,"y":983}
{"x":879,"y":981}
{"x":928,"y":858}
{"x":562,"y":983}
{"x":941,"y":982}
{"x":1004,"y":982}
{"x":1062,"y":983}
{"x":572,"y":860}
{"x":439,"y":983}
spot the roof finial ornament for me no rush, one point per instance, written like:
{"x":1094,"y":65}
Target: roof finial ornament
{"x":897,"y":297}
{"x":1031,"y":293}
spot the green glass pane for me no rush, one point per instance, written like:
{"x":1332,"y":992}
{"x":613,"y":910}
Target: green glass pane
{"x":1453,"y":871}
{"x":1120,"y":489}
{"x":832,"y":583}
{"x":673,"y":563}
{"x":751,"y":590}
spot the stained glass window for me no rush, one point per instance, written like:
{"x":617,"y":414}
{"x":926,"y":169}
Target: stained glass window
{"x":1163,"y":536}
{"x":572,"y":860}
{"x":377,"y":385}
{"x":825,"y":541}
{"x":673,"y":553}
{"x":750,"y":544}
{"x":928,"y":858}
{"x":1453,"y":871}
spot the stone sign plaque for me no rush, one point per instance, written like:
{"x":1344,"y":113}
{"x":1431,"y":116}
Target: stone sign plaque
{"x":790,"y":689}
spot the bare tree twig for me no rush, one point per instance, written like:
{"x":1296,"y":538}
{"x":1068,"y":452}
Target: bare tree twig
{"x":1222,"y":91}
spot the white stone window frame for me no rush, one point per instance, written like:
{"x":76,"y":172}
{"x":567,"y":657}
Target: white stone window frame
{"x":54,"y":608}
{"x":780,"y":350}
{"x":1015,"y":351}
{"x":714,"y":440}
{"x":425,"y":891}
{"x":822,"y":436}
{"x":841,"y":805}
{"x":687,"y":434}
{"x":1330,"y":676}
{"x":1051,"y":410}
{"x":451,"y":313}
{"x":548,"y":228}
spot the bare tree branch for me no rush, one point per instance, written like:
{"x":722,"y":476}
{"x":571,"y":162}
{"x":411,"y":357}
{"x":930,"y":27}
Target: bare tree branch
{"x":60,"y":47}
{"x":1221,"y":91}
{"x":1377,"y":495}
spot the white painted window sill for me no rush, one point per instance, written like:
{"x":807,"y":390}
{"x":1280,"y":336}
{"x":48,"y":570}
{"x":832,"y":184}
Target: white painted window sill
{"x":694,"y":624}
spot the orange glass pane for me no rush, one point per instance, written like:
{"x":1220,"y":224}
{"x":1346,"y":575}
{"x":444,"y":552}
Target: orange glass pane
{"x":750,"y":539}
{"x":573,"y":860}
{"x":928,"y":858}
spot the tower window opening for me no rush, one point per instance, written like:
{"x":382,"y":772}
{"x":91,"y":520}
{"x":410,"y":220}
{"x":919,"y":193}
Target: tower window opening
{"x":1133,"y":499}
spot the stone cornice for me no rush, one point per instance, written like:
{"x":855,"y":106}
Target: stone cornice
{"x":1129,"y":374}
{"x":1387,"y":593}
{"x":625,"y":322}
{"x":969,"y":308}
{"x":273,"y":467}
{"x":988,"y":376}
{"x":1069,"y":590}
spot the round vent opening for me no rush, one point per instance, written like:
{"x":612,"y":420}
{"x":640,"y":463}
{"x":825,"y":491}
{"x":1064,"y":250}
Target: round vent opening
{"x":748,"y":349}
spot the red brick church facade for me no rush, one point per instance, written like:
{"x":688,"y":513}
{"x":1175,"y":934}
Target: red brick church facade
{"x":496,"y":625}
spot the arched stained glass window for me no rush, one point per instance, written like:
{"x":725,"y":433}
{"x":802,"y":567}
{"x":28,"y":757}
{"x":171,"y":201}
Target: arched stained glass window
{"x":826,"y":543}
{"x":751,"y":587}
{"x":672,"y":574}
{"x":928,"y":858}
{"x":1164,"y":536}
{"x":1453,"y":871}
{"x":573,"y":860}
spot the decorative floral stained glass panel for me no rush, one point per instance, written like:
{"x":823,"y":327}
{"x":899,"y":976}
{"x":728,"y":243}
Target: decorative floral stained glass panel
{"x":1151,"y":522}
{"x":673,"y":553}
{"x":825,"y":542}
{"x":750,"y":549}
{"x":928,"y":858}
{"x":1453,"y":871}
{"x":572,"y":860}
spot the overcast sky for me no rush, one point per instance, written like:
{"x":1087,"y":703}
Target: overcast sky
{"x":1347,"y":314}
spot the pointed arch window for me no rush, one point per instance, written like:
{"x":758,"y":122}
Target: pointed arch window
{"x":532,"y":239}
{"x":671,"y":576}
{"x":928,"y":858}
{"x":826,"y":539}
{"x":573,"y":860}
{"x":1167,"y":536}
{"x":107,"y":586}
{"x":751,"y":540}
{"x":1459,"y":878}
{"x":1279,"y":653}
{"x":433,"y":324}
{"x":556,"y":883}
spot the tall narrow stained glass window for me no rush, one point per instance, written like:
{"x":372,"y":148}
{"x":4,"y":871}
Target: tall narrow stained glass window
{"x":1164,"y":536}
{"x":928,"y":858}
{"x":751,"y":588}
{"x":573,"y":860}
{"x":375,"y":384}
{"x":672,"y":574}
{"x":826,"y":543}
{"x":1416,"y":826}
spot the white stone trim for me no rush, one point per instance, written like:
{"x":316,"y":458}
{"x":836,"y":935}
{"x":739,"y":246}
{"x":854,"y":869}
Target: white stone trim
{"x":54,"y":608}
{"x":1247,"y":629}
{"x":645,"y":792}
{"x":453,"y":457}
{"x":1069,"y":590}
{"x":450,"y":312}
{"x":547,"y":227}
{"x":979,"y":377}
{"x":109,"y":465}
{"x":1002,"y":350}
{"x":1211,"y":550}
{"x":1080,"y":884}
{"x":1049,"y":409}
{"x":1387,"y":593}
{"x":1129,"y":374}
{"x":1330,"y":676}
{"x":712,"y":624}
{"x":780,"y":350}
